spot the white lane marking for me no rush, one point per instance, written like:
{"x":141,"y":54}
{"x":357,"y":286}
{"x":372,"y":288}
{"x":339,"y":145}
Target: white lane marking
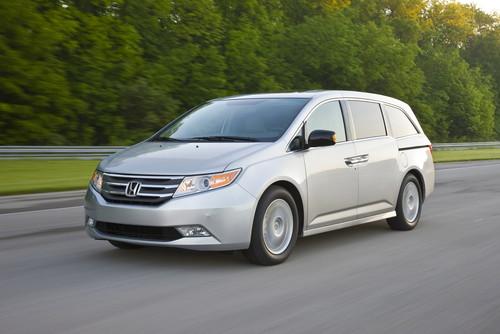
{"x":43,"y":210}
{"x":467,"y":167}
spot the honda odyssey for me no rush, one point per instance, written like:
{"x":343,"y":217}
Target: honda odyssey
{"x":255,"y":172}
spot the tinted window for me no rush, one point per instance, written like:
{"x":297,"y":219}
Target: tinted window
{"x":400,"y":124}
{"x":254,"y":119}
{"x":368,"y":119}
{"x":328,"y":116}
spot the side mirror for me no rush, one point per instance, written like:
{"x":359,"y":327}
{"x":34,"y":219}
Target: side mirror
{"x":321,"y":138}
{"x":297,"y":144}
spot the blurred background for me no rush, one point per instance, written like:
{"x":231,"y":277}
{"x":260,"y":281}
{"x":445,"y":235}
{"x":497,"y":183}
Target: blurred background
{"x":103,"y":72}
{"x":100,"y":72}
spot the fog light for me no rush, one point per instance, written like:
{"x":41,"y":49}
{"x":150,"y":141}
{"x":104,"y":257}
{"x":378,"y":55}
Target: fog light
{"x":90,"y":222}
{"x":192,"y":231}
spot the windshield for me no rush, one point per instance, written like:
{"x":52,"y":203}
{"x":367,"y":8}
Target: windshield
{"x":235,"y":120}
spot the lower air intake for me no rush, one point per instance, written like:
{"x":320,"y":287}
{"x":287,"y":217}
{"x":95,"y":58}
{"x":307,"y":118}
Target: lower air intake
{"x":151,"y":233}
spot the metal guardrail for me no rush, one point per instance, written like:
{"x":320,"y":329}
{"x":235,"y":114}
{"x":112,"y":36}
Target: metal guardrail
{"x":99,"y":152}
{"x":58,"y":152}
{"x":465,"y":146}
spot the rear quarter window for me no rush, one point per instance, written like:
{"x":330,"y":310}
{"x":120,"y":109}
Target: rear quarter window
{"x":401,"y":125}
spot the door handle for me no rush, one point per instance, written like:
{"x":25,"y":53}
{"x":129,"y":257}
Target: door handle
{"x":356,"y":160}
{"x":362,"y":158}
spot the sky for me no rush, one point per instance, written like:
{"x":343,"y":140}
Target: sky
{"x":488,"y":6}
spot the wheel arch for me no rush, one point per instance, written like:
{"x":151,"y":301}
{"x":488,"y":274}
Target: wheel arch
{"x":292,"y":189}
{"x":420,"y":178}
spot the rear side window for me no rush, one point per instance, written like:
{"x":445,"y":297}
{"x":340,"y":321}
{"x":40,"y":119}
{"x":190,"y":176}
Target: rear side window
{"x":368,"y":119}
{"x":400,"y":123}
{"x":328,"y":116}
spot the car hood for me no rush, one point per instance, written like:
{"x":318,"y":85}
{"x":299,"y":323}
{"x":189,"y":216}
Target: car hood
{"x":177,"y":158}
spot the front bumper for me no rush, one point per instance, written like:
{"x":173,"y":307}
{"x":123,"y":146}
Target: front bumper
{"x":227,"y":213}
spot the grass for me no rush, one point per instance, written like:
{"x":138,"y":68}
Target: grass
{"x":466,"y":155}
{"x":34,"y":176}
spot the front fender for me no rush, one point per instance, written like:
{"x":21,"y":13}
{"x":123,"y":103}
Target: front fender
{"x":258,"y":177}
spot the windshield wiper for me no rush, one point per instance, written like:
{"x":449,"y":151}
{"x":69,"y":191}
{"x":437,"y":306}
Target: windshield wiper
{"x":166,"y":139}
{"x":226,"y":138}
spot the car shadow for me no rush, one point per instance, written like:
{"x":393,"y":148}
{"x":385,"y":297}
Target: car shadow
{"x":343,"y":236}
{"x":208,"y":260}
{"x":172,"y":257}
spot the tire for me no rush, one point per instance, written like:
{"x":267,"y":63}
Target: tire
{"x":275,"y":228}
{"x":124,"y":245}
{"x":409,"y":206}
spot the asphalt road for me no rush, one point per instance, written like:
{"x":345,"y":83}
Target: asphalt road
{"x":443,"y":277}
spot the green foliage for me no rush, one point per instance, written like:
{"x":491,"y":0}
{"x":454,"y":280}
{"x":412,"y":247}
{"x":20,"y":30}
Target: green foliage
{"x":460,"y":96}
{"x":336,"y":52}
{"x":113,"y":72}
{"x":36,"y":105}
{"x":484,"y":51}
{"x":250,"y":29}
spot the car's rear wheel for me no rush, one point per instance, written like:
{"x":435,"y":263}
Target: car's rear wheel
{"x":275,"y":227}
{"x":409,"y":205}
{"x":124,"y":245}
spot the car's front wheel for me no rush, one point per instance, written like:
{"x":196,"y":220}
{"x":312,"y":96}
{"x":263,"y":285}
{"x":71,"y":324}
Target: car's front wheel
{"x":409,"y":206}
{"x":275,"y":227}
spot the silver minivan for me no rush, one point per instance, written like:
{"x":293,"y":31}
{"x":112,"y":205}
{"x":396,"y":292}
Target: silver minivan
{"x":255,"y":172}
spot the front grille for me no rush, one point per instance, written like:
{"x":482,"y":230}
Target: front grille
{"x":152,"y":233}
{"x":153,"y":190}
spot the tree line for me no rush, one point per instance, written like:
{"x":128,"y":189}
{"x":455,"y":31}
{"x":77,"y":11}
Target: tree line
{"x":95,"y":72}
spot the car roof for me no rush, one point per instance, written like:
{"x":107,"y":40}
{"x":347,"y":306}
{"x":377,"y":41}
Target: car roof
{"x":321,"y":94}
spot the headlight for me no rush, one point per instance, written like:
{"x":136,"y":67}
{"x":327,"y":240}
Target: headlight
{"x":96,"y":180}
{"x":200,"y":183}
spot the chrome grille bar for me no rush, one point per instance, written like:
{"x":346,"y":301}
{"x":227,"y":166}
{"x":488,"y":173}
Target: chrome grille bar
{"x":153,"y":190}
{"x":130,"y":176}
